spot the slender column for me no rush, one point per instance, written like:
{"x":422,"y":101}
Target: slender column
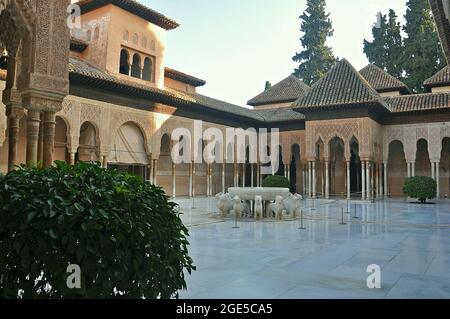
{"x":32,"y":136}
{"x":385,"y":179}
{"x":314,"y":179}
{"x":72,"y":158}
{"x":258,"y":175}
{"x":433,"y":171}
{"x":309,"y":179}
{"x":348,"y":181}
{"x":223,"y":178}
{"x":207,"y":180}
{"x":49,"y":137}
{"x":377,"y":180}
{"x":363,"y":182}
{"x":244,"y":171}
{"x":437,"y":180}
{"x":413,"y":169}
{"x":305,"y":191}
{"x":288,"y":167}
{"x":235,"y":175}
{"x":13,"y":140}
{"x":327,"y":179}
{"x":41,"y":140}
{"x":174,"y":181}
{"x":409,"y":169}
{"x":252,"y":183}
{"x":368,"y":180}
{"x":191,"y":165}
{"x":211,"y":180}
{"x":155,"y":171}
{"x":193,"y":181}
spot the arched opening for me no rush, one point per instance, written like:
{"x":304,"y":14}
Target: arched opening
{"x":60,"y":148}
{"x":164,"y":168}
{"x":128,"y":152}
{"x":88,"y":148}
{"x":337,"y":167}
{"x":124,"y":67}
{"x":355,"y":168}
{"x":423,"y":163}
{"x":397,"y":168}
{"x":444,"y":169}
{"x":136,"y":66}
{"x":295,"y":168}
{"x":148,"y":70}
{"x":281,"y":168}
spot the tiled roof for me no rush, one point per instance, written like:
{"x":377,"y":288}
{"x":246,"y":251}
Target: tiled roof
{"x":183,"y":77}
{"x":288,"y":90}
{"x":418,"y":102}
{"x":133,"y":7}
{"x":77,"y":45}
{"x":342,"y":85}
{"x":441,"y":78}
{"x":81,"y":70}
{"x":382,"y":81}
{"x":280,"y":115}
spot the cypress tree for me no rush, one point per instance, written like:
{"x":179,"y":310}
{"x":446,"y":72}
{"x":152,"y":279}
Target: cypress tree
{"x":315,"y":58}
{"x":422,"y":54}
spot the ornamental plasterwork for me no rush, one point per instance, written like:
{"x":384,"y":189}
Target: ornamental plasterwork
{"x":410,"y":134}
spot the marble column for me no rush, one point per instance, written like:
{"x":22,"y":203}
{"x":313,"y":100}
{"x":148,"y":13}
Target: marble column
{"x":49,"y":137}
{"x":258,"y":175}
{"x":438,"y":180}
{"x":327,"y":179}
{"x":223,"y":178}
{"x":244,"y":171}
{"x":155,"y":171}
{"x":193,"y":180}
{"x":349,"y":195}
{"x":40,"y":155}
{"x":252,"y":183}
{"x":363,"y":181}
{"x":211,"y":180}
{"x":368,"y":180}
{"x":72,"y":158}
{"x":235,"y":174}
{"x":314,"y":179}
{"x":191,"y":165}
{"x":33,"y":122}
{"x":385,"y":179}
{"x":310,"y":179}
{"x":207,"y":180}
{"x":413,"y":169}
{"x":13,"y":140}
{"x":174,"y":181}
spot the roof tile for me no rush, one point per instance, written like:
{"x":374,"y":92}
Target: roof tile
{"x":382,"y":81}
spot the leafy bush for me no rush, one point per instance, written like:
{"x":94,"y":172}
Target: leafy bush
{"x":420,"y":187}
{"x":124,"y":233}
{"x":276,"y":181}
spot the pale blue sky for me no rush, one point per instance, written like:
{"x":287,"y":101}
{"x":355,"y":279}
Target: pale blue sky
{"x":236,"y":45}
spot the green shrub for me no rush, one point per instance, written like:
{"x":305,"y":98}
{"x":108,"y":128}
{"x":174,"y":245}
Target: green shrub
{"x":276,"y":181}
{"x":420,"y":187}
{"x":124,"y":233}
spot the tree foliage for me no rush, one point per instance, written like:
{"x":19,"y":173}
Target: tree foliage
{"x":276,"y":181}
{"x":422,"y":53}
{"x":385,"y":50}
{"x":420,"y":187}
{"x":124,"y":233}
{"x":316,"y":58}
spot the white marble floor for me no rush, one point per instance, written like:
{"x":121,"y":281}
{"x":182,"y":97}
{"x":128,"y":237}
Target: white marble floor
{"x":410,"y":242}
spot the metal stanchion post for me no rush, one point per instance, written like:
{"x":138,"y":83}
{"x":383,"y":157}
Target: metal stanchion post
{"x":236,"y":222}
{"x":342,"y":222}
{"x":355,"y":217}
{"x":301,"y":220}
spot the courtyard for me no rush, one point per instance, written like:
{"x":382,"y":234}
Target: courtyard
{"x":277,"y":260}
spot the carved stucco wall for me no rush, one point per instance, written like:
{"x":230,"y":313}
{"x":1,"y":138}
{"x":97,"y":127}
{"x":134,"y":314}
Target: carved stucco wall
{"x":366,"y":131}
{"x":409,"y":134}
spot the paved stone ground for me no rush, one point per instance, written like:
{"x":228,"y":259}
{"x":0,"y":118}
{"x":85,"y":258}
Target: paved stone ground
{"x":269,"y":260}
